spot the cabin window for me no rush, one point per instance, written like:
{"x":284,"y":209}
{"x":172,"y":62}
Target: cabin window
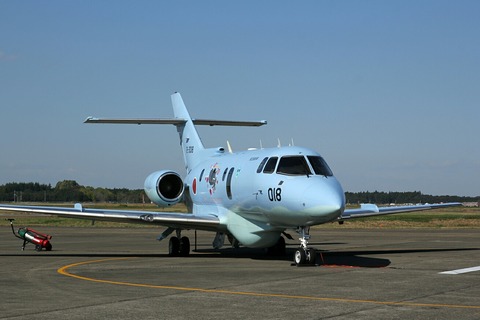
{"x":260,"y":167}
{"x":224,"y":174}
{"x":293,"y":165}
{"x":270,"y":166}
{"x":229,"y":183}
{"x":320,"y":166}
{"x":201,"y":175}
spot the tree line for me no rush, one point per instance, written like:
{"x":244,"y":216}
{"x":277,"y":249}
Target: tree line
{"x":413,"y":197}
{"x":66,"y":191}
{"x":71,"y":191}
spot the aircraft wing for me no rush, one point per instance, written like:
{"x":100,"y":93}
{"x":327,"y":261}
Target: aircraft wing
{"x":369,"y":210}
{"x":170,"y":219}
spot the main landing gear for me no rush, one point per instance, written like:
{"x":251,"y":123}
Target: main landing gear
{"x":177,"y":246}
{"x":304,"y":255}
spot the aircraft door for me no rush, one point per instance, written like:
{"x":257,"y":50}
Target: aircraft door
{"x":229,"y":183}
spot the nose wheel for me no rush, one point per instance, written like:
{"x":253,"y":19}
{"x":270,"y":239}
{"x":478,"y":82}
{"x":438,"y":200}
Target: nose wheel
{"x":304,"y":255}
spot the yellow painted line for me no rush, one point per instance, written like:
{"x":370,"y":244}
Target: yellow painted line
{"x":63,"y":271}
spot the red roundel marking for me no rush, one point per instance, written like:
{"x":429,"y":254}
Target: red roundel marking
{"x":194,"y":186}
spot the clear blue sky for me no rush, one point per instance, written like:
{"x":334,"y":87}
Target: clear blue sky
{"x":387,"y":91}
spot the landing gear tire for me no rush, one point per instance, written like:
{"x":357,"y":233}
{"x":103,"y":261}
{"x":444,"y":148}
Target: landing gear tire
{"x":305,"y":257}
{"x":300,"y":257}
{"x":184,"y":249}
{"x":179,"y":247}
{"x":311,"y":256}
{"x":173,"y":247}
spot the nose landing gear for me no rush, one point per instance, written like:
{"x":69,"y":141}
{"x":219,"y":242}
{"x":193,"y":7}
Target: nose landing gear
{"x":304,"y":255}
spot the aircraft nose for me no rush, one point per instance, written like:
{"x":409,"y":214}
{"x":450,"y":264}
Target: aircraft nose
{"x":325,"y":200}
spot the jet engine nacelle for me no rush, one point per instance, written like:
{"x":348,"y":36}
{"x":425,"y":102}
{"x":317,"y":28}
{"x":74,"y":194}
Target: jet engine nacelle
{"x":164,"y":188}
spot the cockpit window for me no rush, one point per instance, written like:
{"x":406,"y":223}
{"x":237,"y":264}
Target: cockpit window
{"x":260,"y":167}
{"x":293,"y":165}
{"x":270,"y":166}
{"x":320,"y":166}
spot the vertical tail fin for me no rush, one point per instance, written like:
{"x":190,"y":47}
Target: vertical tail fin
{"x":189,"y":139}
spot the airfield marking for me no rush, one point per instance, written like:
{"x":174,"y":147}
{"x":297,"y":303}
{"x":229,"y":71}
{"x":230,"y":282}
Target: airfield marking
{"x":460,"y":271}
{"x":63,"y":271}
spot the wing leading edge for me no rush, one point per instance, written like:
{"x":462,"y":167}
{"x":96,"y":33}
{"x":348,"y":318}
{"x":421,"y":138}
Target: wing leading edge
{"x":370,"y":210}
{"x":168,"y":219}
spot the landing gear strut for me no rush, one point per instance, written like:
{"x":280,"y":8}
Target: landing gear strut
{"x":304,"y":255}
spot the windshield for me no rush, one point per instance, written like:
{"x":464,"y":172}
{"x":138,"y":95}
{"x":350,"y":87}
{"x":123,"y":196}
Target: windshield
{"x":320,"y":166}
{"x":293,"y":165}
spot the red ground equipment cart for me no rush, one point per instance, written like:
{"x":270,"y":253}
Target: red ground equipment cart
{"x":40,"y":240}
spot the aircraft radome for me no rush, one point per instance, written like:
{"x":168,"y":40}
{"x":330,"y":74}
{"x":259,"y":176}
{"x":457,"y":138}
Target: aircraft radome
{"x":250,"y":197}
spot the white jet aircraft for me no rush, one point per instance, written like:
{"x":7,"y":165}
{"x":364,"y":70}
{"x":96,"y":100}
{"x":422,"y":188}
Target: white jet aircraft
{"x":252,"y":196}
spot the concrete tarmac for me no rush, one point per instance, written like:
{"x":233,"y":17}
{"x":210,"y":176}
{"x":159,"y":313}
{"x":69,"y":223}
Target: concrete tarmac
{"x":110,"y":273}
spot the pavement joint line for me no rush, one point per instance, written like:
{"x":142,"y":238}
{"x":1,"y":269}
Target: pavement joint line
{"x":64,"y":271}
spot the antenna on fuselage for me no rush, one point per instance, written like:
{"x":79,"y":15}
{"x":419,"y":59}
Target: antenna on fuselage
{"x":292,"y":144}
{"x":229,"y":147}
{"x":279,"y":145}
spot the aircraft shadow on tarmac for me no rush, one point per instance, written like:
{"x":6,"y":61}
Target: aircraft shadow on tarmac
{"x":360,"y":259}
{"x":345,"y":258}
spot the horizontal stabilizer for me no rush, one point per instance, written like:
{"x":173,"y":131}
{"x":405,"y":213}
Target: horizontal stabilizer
{"x":135,"y":121}
{"x":206,"y":122}
{"x":202,"y":122}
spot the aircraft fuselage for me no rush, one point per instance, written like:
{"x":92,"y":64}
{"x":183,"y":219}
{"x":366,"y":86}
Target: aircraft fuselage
{"x":265,"y":191}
